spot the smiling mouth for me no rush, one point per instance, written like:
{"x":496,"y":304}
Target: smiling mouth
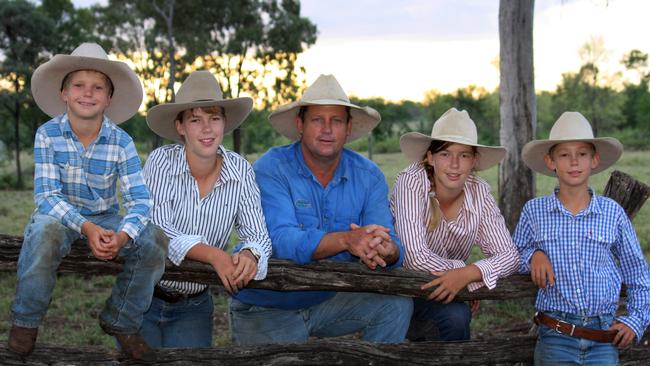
{"x":208,"y":141}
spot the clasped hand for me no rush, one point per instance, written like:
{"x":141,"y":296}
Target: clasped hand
{"x":235,"y":271}
{"x":372,"y":244}
{"x":104,"y":244}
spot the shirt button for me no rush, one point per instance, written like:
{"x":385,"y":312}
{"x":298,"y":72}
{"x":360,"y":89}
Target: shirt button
{"x":578,"y":290}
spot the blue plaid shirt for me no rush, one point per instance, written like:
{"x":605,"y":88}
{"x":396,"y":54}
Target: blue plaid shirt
{"x":591,"y":254}
{"x":71,"y":182}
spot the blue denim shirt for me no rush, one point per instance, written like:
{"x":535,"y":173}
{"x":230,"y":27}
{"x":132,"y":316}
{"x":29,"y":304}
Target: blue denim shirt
{"x":299,"y":211}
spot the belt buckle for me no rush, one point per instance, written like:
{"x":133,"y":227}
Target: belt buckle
{"x":560,"y":322}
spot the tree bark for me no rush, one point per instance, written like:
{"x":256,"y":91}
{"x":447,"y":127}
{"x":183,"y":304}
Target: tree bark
{"x":517,"y":105}
{"x":19,"y":170}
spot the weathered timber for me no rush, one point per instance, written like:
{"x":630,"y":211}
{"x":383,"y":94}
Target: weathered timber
{"x":627,"y":191}
{"x":502,"y":350}
{"x":282,"y":275}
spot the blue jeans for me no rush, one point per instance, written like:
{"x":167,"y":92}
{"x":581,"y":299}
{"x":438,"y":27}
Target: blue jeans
{"x":554,"y":348}
{"x":380,"y":318}
{"x":187,"y":323}
{"x":435,"y":321}
{"x":47,"y":241}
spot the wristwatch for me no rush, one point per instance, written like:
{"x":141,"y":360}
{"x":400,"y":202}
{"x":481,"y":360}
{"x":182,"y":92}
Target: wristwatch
{"x":255,"y":253}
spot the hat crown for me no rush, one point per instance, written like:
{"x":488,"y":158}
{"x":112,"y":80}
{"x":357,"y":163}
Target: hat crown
{"x":571,"y":126}
{"x":90,"y":50}
{"x":325,"y":87}
{"x":199,"y":86}
{"x":455,"y":126}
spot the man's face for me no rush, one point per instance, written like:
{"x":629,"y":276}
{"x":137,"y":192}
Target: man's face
{"x":324,"y":131}
{"x":86,"y":95}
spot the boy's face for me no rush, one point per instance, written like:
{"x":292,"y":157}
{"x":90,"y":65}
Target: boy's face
{"x":86,"y":95}
{"x":573,"y":162}
{"x":202,"y":132}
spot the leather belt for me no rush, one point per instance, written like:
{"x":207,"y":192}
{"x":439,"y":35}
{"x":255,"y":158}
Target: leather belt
{"x":174,"y":297}
{"x":566,"y":328}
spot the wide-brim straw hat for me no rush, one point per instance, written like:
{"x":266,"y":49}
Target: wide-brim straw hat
{"x":324,"y":91}
{"x":200,"y":89}
{"x":456,"y":127}
{"x":571,"y":127}
{"x":48,"y":78}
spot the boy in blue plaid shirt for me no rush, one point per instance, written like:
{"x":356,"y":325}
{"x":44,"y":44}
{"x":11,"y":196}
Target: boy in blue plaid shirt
{"x":79,"y":155}
{"x":578,"y":248}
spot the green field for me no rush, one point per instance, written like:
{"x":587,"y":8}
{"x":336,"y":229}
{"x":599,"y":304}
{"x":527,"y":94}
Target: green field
{"x":71,"y":319}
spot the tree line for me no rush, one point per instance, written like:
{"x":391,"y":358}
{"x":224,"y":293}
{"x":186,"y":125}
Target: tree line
{"x":252,"y":48}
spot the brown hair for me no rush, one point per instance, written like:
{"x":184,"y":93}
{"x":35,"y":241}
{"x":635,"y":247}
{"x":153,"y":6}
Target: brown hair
{"x":209,"y":110}
{"x":109,"y":83}
{"x":436,"y":212}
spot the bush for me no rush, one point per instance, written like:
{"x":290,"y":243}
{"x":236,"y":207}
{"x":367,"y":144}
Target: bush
{"x":633,"y":138}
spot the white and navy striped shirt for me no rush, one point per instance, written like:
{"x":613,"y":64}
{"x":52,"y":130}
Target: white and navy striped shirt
{"x":188,"y":219}
{"x":479,"y":222}
{"x":592,"y":253}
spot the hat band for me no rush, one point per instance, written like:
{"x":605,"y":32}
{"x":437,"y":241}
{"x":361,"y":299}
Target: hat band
{"x":455,"y":138}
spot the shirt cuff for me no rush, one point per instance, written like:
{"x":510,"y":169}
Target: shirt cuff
{"x":262,"y":263}
{"x":487,"y":273}
{"x":179,"y":246}
{"x":131,"y":229}
{"x":74,"y":221}
{"x":634,"y":324}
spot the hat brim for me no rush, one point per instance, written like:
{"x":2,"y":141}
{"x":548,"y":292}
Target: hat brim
{"x":363,"y":119}
{"x":414,"y":145}
{"x":609,"y":149}
{"x":161,"y":118}
{"x":48,"y":77}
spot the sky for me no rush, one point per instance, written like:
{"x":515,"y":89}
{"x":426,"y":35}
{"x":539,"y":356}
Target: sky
{"x":402,"y":49}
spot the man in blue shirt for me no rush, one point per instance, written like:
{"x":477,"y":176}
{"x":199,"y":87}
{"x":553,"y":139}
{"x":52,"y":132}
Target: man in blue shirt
{"x":322,"y":201}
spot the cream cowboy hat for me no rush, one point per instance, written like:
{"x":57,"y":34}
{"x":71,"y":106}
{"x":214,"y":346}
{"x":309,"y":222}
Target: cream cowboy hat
{"x":200,"y":89}
{"x":570,"y":127}
{"x":456,"y":127}
{"x":48,"y":78}
{"x":324,"y":91}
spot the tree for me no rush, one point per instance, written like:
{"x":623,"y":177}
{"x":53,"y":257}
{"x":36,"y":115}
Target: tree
{"x":517,"y":105}
{"x":25,"y":36}
{"x":254,"y":48}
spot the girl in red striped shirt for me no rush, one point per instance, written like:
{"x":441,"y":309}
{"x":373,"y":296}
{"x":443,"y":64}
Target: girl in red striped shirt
{"x":441,"y":211}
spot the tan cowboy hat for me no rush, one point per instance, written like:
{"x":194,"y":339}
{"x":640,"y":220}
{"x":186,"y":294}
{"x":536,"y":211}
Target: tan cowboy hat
{"x":200,"y":89}
{"x":570,"y":127}
{"x":47,"y":82}
{"x":324,"y":91}
{"x":453,"y":126}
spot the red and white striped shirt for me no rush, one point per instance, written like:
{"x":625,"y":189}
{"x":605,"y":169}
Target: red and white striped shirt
{"x":448,"y":246}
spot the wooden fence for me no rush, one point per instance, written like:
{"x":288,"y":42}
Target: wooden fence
{"x":324,"y":275}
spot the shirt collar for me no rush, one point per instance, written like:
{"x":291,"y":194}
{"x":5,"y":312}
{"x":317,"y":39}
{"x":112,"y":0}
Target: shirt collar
{"x":469,"y":201}
{"x":182,"y":167}
{"x":104,"y":132}
{"x":341,"y":172}
{"x":593,"y":207}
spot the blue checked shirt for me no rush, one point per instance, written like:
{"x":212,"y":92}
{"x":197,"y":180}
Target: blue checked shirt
{"x":591,"y":254}
{"x":71,"y":182}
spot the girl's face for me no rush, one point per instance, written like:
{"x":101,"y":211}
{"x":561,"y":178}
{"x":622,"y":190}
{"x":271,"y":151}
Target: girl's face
{"x":572,"y":162}
{"x":452,"y":165}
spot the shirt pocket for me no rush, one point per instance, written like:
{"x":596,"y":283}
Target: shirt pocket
{"x":69,"y":166}
{"x":549,"y":242}
{"x":343,"y":223}
{"x":307,"y":220}
{"x":598,"y":246}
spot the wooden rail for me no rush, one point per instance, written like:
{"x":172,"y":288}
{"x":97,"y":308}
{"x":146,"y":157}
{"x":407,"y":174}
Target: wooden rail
{"x":324,"y":275}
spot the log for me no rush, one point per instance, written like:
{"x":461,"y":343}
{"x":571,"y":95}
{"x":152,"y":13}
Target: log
{"x":282,"y":275}
{"x":502,"y":350}
{"x":627,"y":191}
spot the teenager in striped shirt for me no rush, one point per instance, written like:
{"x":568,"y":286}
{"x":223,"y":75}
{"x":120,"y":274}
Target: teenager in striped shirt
{"x":200,"y":191}
{"x":79,"y":155}
{"x":578,"y":248}
{"x":441,"y":211}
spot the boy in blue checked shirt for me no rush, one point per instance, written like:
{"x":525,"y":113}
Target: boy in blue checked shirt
{"x":79,"y":156}
{"x":579,"y":247}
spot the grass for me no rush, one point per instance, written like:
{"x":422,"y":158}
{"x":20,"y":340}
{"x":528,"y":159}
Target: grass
{"x":72,"y":316}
